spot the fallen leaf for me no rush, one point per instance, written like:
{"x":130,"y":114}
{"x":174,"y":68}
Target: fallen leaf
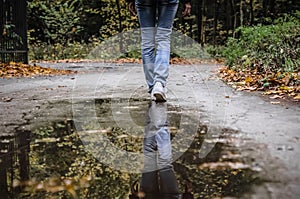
{"x":250,"y":88}
{"x":275,"y":102}
{"x":297,"y":97}
{"x":248,"y":80}
{"x":6,"y":99}
{"x":276,"y":97}
{"x":122,"y":136}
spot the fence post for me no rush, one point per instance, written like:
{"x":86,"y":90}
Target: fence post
{"x":13,"y":31}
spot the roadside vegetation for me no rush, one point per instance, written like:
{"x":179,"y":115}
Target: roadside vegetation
{"x":266,"y":58}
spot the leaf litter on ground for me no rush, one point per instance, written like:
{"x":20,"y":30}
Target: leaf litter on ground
{"x":12,"y":69}
{"x":279,"y":85}
{"x":173,"y":60}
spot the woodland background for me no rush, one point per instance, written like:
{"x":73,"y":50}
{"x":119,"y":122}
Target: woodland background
{"x":259,"y":40}
{"x":64,"y":29}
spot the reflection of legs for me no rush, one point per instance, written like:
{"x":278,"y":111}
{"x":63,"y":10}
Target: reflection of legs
{"x":149,"y":183}
{"x":158,"y":155}
{"x":168,"y":182}
{"x":164,"y":149}
{"x":150,"y":153}
{"x":156,"y":137}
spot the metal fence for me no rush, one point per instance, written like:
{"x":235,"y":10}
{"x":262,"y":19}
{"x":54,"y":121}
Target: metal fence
{"x":13,"y":31}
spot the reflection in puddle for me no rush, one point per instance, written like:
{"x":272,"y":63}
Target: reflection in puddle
{"x":52,"y":161}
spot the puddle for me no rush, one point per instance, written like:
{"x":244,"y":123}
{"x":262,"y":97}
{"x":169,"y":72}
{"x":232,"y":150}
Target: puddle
{"x":52,"y":161}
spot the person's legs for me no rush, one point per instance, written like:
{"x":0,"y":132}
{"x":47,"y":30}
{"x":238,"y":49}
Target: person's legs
{"x":166,"y":15}
{"x":147,"y":18}
{"x":156,"y":65}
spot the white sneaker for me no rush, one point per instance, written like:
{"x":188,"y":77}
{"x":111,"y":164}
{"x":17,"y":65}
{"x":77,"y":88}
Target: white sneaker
{"x":158,"y":93}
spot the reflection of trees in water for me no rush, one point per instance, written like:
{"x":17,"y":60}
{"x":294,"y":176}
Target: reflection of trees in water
{"x":58,"y":161}
{"x":14,"y":161}
{"x":58,"y":155}
{"x":214,"y":176}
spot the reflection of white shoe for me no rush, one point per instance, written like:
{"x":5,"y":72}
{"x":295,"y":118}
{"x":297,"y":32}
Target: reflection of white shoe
{"x":158,"y":115}
{"x":158,"y":93}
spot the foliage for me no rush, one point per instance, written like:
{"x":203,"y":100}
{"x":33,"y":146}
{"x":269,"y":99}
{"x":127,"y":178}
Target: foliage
{"x":266,"y":48}
{"x":266,"y":58}
{"x":215,"y":51}
{"x":58,"y":51}
{"x":9,"y":34}
{"x":72,"y":25}
{"x":58,"y":21}
{"x":116,"y":20}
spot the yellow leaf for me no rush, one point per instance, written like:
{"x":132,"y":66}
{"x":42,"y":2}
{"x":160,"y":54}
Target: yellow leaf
{"x":297,"y":97}
{"x":248,"y":80}
{"x":286,"y":88}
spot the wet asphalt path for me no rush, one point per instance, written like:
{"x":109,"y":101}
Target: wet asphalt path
{"x":269,"y":135}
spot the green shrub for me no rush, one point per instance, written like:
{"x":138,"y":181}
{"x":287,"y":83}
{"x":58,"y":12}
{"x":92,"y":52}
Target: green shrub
{"x":54,"y":21}
{"x":215,"y":51}
{"x":74,"y":50}
{"x":266,"y":48}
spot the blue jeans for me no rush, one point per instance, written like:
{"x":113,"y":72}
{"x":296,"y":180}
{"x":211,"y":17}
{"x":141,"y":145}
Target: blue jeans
{"x":156,"y":19}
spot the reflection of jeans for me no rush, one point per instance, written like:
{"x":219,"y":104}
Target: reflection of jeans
{"x":158,"y":156}
{"x":156,"y":19}
{"x":157,"y":143}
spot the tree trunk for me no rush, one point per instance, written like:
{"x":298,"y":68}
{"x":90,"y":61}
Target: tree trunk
{"x":203,"y":22}
{"x":227,"y":17}
{"x":199,"y":20}
{"x":215,"y":22}
{"x":272,"y":6}
{"x":265,"y":7}
{"x":251,"y":13}
{"x":24,"y":149}
{"x":241,"y":13}
{"x":234,"y":17}
{"x":3,"y":182}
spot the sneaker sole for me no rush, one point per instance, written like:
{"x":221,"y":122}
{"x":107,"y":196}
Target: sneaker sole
{"x":159,"y":97}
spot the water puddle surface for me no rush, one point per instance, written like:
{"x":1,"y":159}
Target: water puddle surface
{"x":103,"y":157}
